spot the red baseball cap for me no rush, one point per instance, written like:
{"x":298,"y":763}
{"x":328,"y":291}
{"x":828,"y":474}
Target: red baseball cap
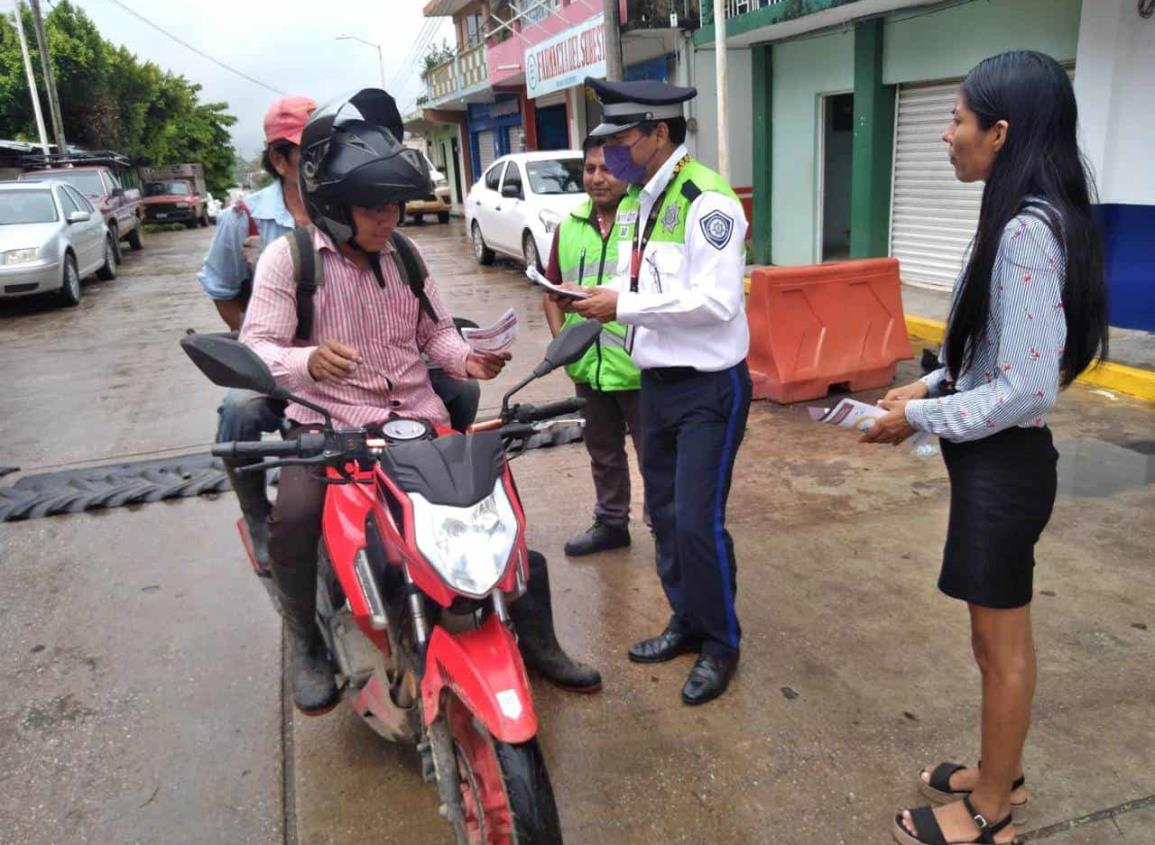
{"x":286,"y":118}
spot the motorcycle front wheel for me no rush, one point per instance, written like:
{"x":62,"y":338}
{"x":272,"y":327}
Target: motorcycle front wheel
{"x":506,"y":794}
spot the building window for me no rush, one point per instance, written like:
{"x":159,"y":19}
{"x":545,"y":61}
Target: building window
{"x":473,"y":29}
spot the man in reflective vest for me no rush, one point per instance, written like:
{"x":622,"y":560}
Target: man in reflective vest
{"x":678,"y":288}
{"x":585,"y":253}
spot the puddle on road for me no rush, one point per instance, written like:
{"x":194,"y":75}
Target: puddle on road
{"x":1090,"y":468}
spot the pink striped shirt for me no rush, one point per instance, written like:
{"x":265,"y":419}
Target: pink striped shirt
{"x":351,"y":307}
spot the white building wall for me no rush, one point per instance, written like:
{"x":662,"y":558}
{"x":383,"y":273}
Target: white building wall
{"x":1115,"y":87}
{"x":740,"y":114}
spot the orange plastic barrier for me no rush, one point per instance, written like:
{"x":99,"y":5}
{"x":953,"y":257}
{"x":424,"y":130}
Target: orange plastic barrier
{"x":824,"y":325}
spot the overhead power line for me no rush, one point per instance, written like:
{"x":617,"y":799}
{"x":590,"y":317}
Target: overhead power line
{"x":196,"y":50}
{"x":424,"y":37}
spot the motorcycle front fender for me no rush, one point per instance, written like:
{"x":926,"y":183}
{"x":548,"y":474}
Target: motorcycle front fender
{"x":483,"y":668}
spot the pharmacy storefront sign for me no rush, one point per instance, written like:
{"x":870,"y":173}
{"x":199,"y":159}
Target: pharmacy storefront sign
{"x":566,"y":59}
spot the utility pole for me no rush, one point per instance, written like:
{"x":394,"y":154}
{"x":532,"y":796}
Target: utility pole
{"x":18,"y":14}
{"x":49,"y":79}
{"x":720,"y":65}
{"x":613,"y":41}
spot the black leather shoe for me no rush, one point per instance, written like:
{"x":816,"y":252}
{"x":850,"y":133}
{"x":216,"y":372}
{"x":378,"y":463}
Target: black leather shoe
{"x":665,"y":646}
{"x":597,"y":538}
{"x":709,"y":678}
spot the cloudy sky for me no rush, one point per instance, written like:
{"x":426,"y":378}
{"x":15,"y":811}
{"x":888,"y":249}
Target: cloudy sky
{"x":290,"y":45}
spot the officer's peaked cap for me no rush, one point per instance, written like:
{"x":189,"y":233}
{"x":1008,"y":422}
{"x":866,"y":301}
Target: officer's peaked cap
{"x":626,"y":104}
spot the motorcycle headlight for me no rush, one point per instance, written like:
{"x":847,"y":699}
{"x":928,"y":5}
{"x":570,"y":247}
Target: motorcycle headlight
{"x":549,"y":219}
{"x":469,"y":547}
{"x":21,"y":256}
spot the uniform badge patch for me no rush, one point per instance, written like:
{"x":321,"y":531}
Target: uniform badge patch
{"x":670,"y":218}
{"x":717,"y":227}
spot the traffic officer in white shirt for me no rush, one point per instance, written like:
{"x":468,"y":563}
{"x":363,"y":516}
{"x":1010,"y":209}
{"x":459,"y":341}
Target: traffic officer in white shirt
{"x":679,"y":290}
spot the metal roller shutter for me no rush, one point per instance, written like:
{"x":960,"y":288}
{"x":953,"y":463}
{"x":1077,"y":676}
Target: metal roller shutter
{"x":933,"y":215}
{"x":486,"y":149}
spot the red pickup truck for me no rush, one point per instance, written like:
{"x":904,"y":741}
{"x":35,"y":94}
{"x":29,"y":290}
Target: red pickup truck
{"x":175,"y":193}
{"x":120,"y":206}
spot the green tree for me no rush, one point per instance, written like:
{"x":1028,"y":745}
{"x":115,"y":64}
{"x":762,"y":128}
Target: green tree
{"x":109,"y":99}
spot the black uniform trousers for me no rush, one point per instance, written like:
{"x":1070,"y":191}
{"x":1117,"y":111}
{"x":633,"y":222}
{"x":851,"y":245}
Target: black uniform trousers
{"x":692,"y":425}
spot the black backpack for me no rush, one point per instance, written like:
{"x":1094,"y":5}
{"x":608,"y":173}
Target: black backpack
{"x":308,"y":273}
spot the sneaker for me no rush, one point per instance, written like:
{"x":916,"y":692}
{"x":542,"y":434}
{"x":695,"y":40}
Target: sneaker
{"x":599,"y":537}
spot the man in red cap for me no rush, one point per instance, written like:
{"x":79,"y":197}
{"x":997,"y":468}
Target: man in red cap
{"x":250,"y":225}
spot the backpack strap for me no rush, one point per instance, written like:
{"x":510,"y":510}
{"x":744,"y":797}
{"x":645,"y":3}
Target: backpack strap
{"x":308,"y":276}
{"x":412,"y":269}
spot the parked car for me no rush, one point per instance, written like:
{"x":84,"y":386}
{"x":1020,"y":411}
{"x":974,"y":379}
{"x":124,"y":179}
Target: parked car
{"x":51,"y":237}
{"x":175,"y":193}
{"x":120,"y":206}
{"x":438,"y":202}
{"x":519,"y":201}
{"x":212,"y":208}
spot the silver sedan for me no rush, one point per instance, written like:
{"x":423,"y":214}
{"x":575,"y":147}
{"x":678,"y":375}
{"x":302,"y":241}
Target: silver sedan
{"x":51,"y":237}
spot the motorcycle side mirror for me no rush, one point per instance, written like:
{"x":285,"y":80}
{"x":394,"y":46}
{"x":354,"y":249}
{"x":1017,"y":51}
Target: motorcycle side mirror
{"x":229,"y":363}
{"x":570,"y":344}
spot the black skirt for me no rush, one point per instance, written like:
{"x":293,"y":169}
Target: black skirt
{"x":1002,"y":491}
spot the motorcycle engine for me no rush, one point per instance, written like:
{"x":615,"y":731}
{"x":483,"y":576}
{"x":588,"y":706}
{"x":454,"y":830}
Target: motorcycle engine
{"x":406,"y":430}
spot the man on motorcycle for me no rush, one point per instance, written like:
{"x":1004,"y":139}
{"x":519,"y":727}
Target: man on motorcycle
{"x":250,"y":225}
{"x":360,"y":358}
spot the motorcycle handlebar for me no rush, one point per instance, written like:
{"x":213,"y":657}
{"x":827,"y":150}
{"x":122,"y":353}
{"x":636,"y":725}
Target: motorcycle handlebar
{"x":533,"y":413}
{"x":307,"y":444}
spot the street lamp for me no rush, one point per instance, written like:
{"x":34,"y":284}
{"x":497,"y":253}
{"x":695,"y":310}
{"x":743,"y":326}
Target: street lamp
{"x":380,"y":61}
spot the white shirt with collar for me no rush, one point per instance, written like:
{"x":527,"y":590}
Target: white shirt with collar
{"x":689,"y":309}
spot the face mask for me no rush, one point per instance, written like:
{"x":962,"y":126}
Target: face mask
{"x":622,"y":166}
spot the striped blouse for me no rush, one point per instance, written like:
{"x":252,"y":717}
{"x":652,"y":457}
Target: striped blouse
{"x":351,"y":307}
{"x":1013,"y":379}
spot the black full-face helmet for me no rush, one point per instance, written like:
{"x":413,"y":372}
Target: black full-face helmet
{"x":351,"y":154}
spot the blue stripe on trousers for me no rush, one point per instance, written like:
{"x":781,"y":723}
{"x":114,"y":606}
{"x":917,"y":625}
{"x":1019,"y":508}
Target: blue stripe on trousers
{"x":725,"y":565}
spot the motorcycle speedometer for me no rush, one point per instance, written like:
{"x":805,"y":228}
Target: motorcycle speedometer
{"x":406,"y":430}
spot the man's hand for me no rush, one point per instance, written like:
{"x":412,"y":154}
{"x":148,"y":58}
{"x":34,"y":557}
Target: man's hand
{"x":891,"y":427}
{"x":333,"y":361}
{"x":602,"y":305}
{"x":485,"y":365}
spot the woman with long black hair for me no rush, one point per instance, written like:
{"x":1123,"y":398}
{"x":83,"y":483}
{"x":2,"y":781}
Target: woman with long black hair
{"x":1028,"y":315}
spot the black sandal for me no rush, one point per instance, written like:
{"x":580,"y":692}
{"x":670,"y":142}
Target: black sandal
{"x":938,"y":789}
{"x":928,"y":832}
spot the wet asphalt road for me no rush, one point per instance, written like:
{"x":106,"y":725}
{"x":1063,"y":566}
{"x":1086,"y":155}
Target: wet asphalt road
{"x":142,"y":699}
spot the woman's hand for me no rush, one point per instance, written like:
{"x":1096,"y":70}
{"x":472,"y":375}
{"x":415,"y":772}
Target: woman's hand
{"x":914,"y":390}
{"x":892,"y":426}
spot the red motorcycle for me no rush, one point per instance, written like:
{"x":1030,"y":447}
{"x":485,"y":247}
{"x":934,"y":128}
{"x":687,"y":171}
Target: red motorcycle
{"x":423,"y":548}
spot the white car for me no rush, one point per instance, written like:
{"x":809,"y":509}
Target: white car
{"x":212,"y":208}
{"x":51,"y":237}
{"x":518,"y":203}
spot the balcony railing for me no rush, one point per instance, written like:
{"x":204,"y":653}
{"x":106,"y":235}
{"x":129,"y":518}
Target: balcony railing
{"x":741,"y":7}
{"x":660,"y":14}
{"x":465,"y":70}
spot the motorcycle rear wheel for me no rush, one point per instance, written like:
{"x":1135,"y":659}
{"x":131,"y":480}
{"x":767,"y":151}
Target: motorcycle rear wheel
{"x":506,"y":794}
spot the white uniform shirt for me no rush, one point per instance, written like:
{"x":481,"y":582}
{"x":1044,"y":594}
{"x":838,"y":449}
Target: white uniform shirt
{"x":689,"y":310}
